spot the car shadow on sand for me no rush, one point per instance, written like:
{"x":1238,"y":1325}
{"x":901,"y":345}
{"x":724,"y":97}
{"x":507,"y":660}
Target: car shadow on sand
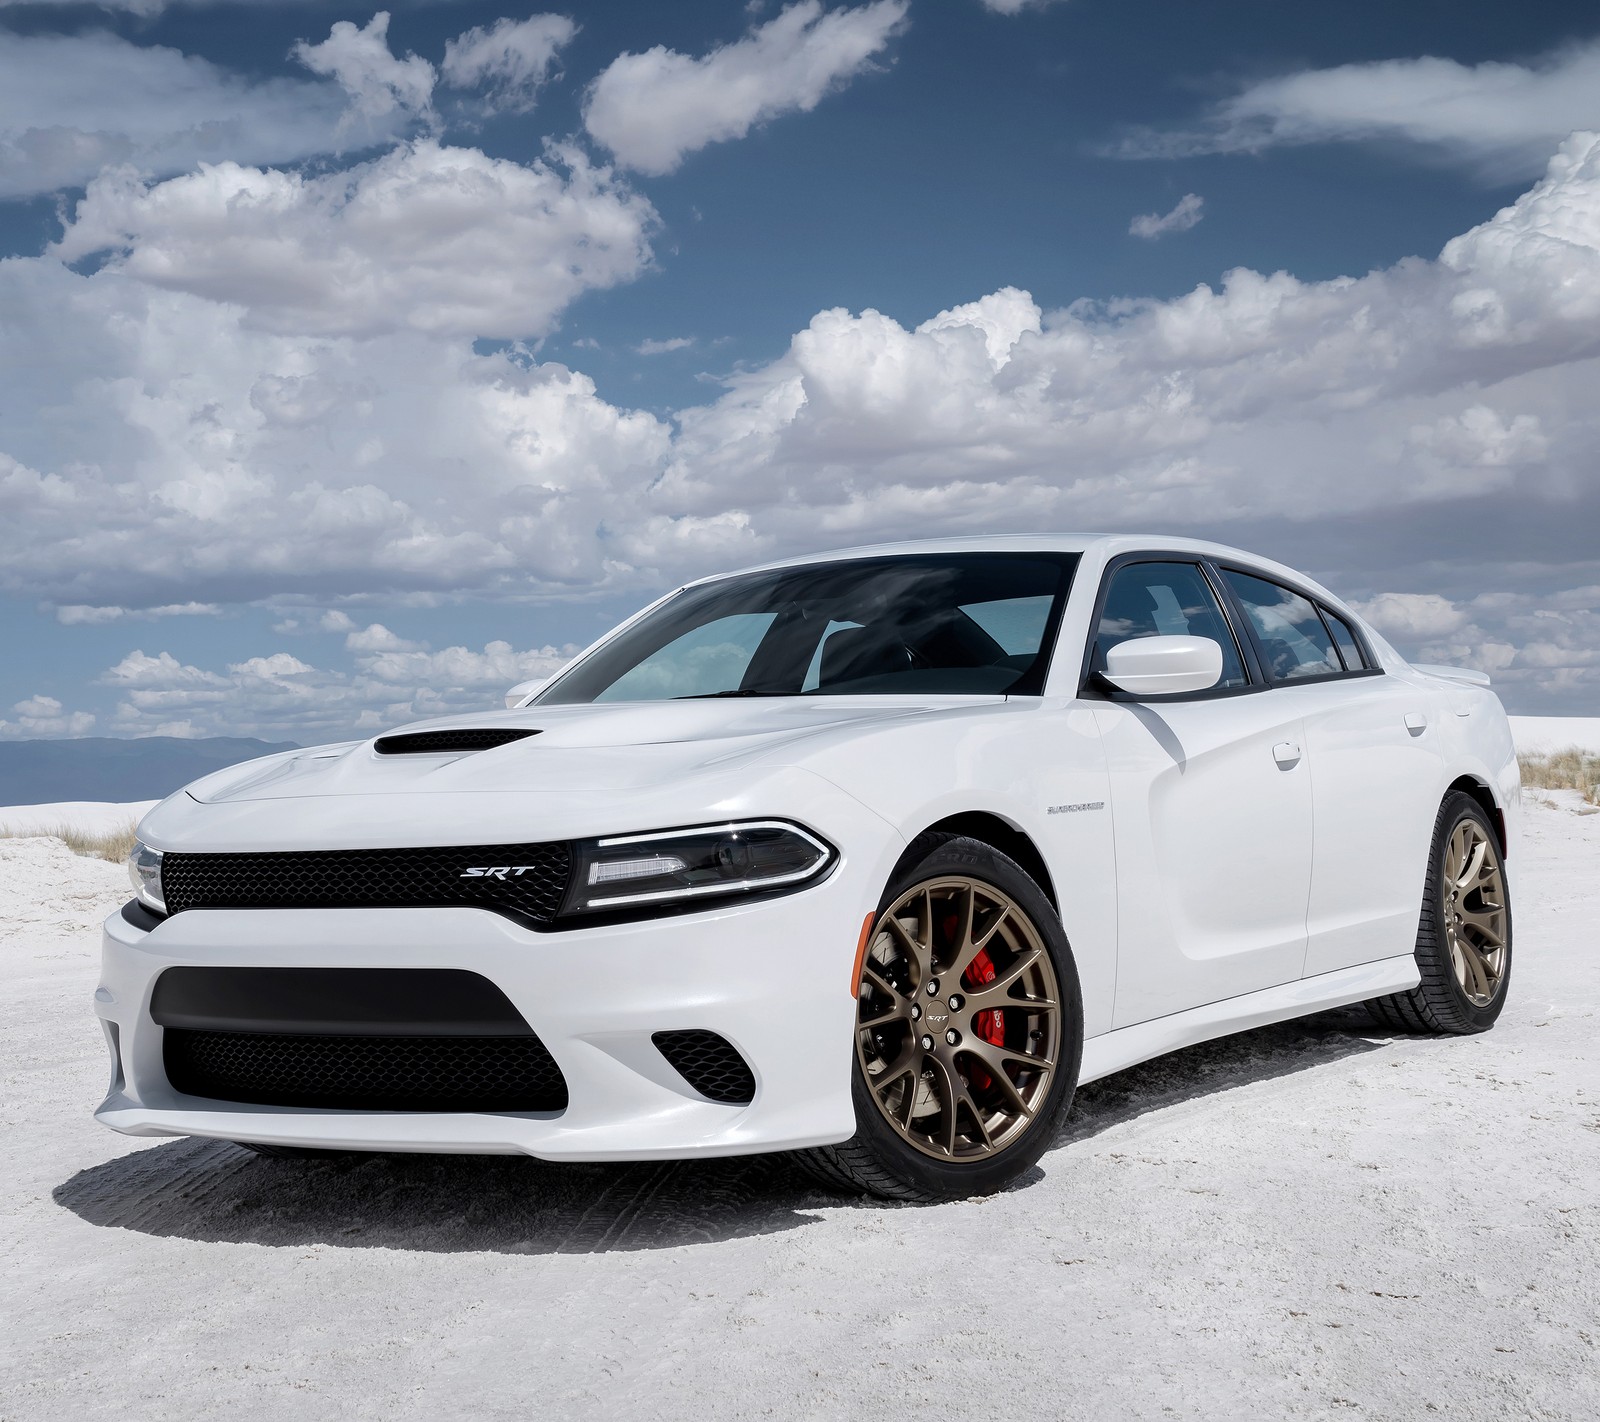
{"x":212,"y":1191}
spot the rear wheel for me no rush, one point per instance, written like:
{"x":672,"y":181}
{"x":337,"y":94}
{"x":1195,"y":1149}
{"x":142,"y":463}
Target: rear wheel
{"x":968,"y":1030}
{"x":1464,"y":937}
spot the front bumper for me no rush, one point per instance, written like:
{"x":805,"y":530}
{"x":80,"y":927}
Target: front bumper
{"x":771,"y":977}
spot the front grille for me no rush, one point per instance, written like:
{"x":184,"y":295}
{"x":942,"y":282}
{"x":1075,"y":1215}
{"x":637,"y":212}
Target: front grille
{"x":366,"y":1073}
{"x":434,"y":742}
{"x":710,"y":1064}
{"x":527,"y":881}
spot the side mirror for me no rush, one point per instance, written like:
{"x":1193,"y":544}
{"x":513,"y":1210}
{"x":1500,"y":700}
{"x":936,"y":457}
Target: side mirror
{"x":522,"y":691}
{"x":1164,"y":666}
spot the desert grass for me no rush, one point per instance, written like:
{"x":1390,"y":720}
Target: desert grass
{"x":115,"y":845}
{"x":1570,"y":769}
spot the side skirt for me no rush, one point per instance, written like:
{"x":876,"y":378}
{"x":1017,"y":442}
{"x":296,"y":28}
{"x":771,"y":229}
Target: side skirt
{"x":1127,"y":1046}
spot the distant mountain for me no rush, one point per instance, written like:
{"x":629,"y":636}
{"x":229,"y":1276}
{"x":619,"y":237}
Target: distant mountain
{"x":98,"y":768}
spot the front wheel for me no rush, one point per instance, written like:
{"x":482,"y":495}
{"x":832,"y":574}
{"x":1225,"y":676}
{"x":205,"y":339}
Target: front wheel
{"x":969,"y":1030}
{"x":1464,"y":936}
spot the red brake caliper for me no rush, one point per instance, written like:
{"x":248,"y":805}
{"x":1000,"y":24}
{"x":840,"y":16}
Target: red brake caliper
{"x":988,"y":1024}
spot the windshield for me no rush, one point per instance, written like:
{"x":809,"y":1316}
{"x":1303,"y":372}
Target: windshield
{"x":950,"y":624}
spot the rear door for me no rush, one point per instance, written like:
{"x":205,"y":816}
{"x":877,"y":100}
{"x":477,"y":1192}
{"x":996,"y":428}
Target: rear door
{"x":1375,"y":763}
{"x":1211,"y":806}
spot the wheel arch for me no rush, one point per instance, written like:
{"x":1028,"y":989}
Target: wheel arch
{"x":1483,"y":793}
{"x":997,"y":833}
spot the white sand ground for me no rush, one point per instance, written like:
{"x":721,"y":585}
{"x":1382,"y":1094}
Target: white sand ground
{"x":90,"y":816}
{"x":1311,"y":1221}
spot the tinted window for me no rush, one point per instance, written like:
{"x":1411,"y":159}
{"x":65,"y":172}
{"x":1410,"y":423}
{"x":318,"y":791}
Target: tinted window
{"x":971,"y":623}
{"x":1345,"y":640}
{"x":703,"y":660}
{"x":1165,"y":600}
{"x":1293,"y":640}
{"x":1016,"y":623}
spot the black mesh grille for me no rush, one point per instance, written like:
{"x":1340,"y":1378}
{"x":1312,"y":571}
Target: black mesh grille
{"x":528,"y":882}
{"x":426,"y":742}
{"x":710,"y":1064}
{"x":366,"y":1073}
{"x":335,"y":1002}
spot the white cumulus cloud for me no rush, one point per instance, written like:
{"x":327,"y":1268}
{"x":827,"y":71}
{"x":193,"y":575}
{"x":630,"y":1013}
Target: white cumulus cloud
{"x":381,"y":85}
{"x":280,"y":696}
{"x":1413,"y":617}
{"x":1549,"y":644}
{"x":377,"y":638}
{"x":1173,"y":408}
{"x":666,"y":347}
{"x":427,"y":238}
{"x":1501,"y":118}
{"x":1188,"y":211}
{"x":84,"y":614}
{"x":73,"y":104}
{"x":653,"y":109}
{"x":44,"y":717}
{"x":510,"y":60}
{"x":162,"y":445}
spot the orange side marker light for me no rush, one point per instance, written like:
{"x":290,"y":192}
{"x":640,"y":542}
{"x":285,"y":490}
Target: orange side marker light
{"x":861,"y":954}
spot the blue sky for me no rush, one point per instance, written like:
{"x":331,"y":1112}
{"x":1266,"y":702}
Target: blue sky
{"x":354,"y":369}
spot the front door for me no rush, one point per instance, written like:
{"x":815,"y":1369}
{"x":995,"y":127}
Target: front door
{"x":1211,"y":809}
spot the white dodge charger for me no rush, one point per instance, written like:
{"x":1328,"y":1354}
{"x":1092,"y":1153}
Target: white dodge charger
{"x":872,"y":856}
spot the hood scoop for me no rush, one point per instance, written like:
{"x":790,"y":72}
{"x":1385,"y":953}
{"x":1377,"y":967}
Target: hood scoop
{"x":445,"y":742}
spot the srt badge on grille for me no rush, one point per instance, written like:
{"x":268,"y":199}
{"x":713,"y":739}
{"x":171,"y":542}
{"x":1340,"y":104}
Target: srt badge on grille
{"x":499,"y":871}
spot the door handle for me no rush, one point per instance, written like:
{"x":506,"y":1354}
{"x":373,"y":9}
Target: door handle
{"x":1287,"y":754}
{"x":1416,"y":722}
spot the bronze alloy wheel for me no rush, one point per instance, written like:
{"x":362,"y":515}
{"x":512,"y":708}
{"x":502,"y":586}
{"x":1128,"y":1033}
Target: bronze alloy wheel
{"x":1464,"y":932}
{"x":958,"y":1019}
{"x":1474,"y":911}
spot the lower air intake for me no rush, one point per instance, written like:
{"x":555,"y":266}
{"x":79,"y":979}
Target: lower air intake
{"x":710,"y":1064}
{"x":366,"y":1073}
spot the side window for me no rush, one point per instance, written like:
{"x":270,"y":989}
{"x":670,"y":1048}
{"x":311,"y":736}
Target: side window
{"x":1293,"y":640}
{"x":1166,"y":600}
{"x":1345,"y":640}
{"x":702,"y":662}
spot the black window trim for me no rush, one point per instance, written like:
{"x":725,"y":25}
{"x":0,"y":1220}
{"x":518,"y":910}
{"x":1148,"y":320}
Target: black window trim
{"x":1329,"y":617}
{"x":1257,"y":677}
{"x":1091,"y":683}
{"x":1242,"y":617}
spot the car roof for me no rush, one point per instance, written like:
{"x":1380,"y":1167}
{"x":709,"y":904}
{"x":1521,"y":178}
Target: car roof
{"x":1105,"y":545}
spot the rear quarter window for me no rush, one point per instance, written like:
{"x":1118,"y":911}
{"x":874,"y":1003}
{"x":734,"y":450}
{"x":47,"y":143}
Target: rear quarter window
{"x":1345,"y":640}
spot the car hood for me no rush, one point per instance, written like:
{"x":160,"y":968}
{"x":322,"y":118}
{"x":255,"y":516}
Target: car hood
{"x":624,"y":746}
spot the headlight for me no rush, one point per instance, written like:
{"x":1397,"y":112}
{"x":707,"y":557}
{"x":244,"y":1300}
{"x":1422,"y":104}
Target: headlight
{"x":144,"y":869}
{"x":715,"y":861}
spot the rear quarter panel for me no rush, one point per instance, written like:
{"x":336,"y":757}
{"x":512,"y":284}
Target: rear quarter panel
{"x":1476,"y":738}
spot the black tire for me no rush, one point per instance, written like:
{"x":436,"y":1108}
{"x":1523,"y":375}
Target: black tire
{"x":1439,"y":1004}
{"x":876,"y":1160}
